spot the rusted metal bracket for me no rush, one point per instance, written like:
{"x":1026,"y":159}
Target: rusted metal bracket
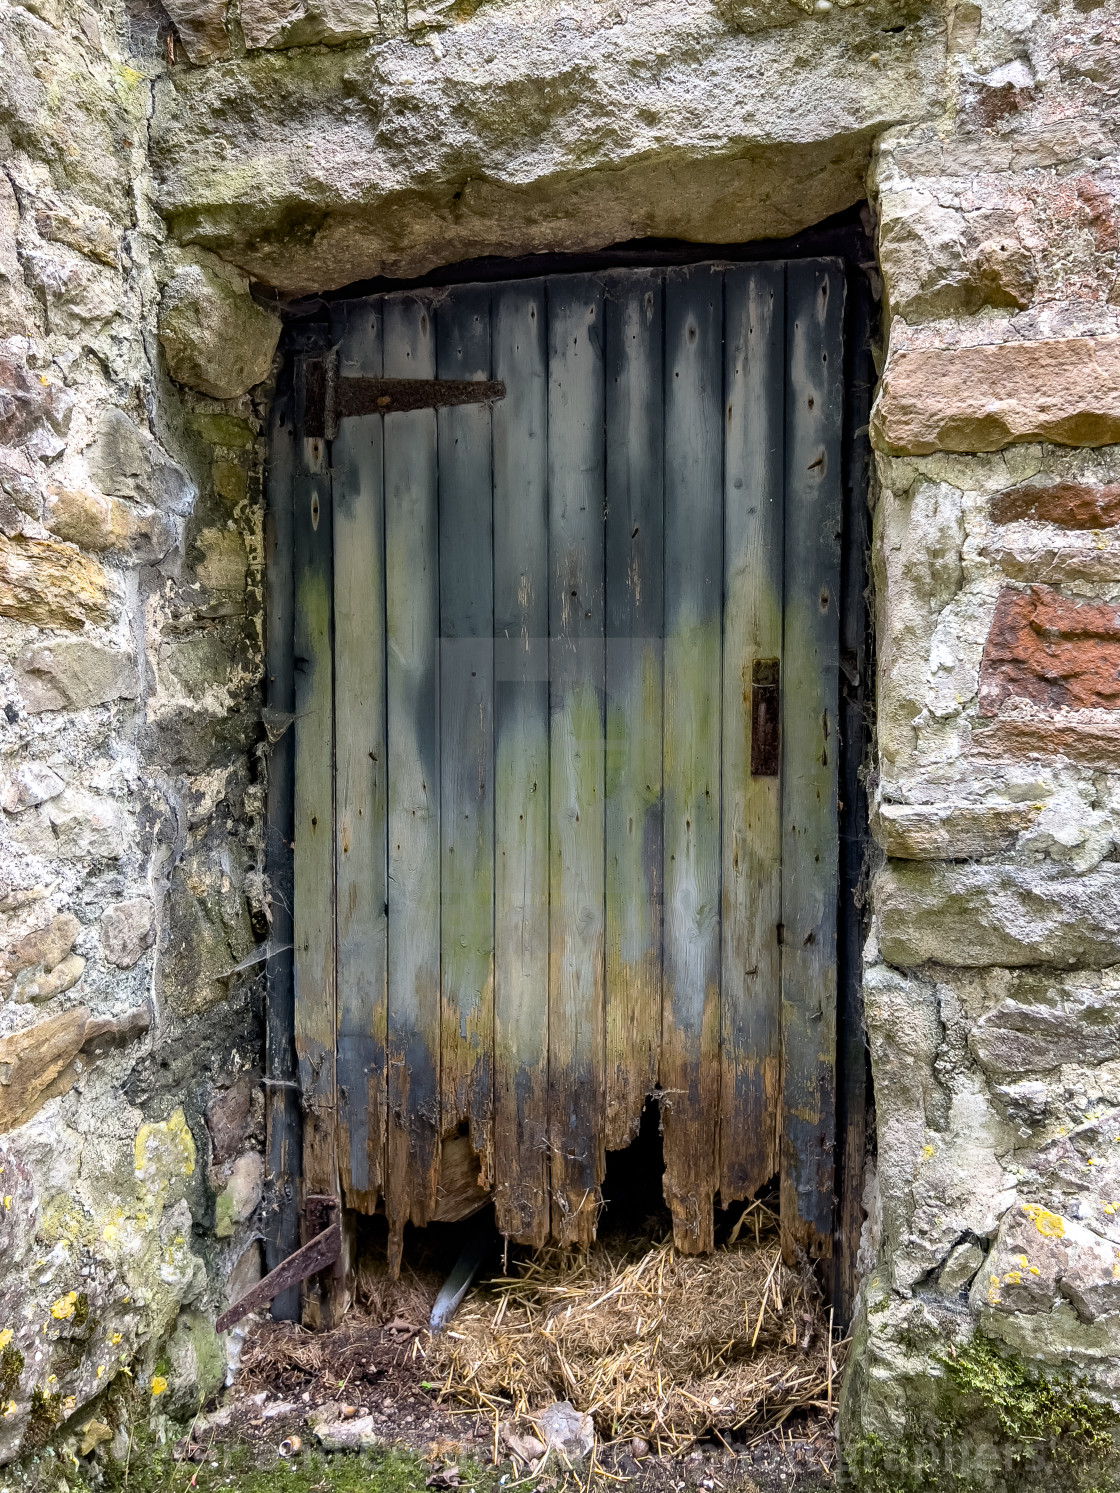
{"x":323,"y":1249}
{"x":765,"y":719}
{"x":329,"y":398}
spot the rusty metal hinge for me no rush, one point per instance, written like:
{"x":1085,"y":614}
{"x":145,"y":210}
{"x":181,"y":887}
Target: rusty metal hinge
{"x":322,"y":1249}
{"x":329,"y":397}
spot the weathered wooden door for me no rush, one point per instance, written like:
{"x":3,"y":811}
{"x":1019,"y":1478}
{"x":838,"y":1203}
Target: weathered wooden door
{"x":565,"y":824}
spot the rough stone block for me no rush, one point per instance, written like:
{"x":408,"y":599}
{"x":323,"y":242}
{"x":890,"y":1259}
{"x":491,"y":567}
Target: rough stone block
{"x":950,"y":831}
{"x":126,"y":931}
{"x":963,"y":1263}
{"x":28,"y":399}
{"x":302,"y":23}
{"x":39,"y":1063}
{"x":48,"y":984}
{"x":90,"y":232}
{"x":17,"y":309}
{"x":239,"y":1198}
{"x":21,"y":492}
{"x":224,"y":561}
{"x":86,"y":826}
{"x":201,"y":25}
{"x":1065,"y":390}
{"x":1070,"y":1020}
{"x":974,"y":916}
{"x":31,"y":784}
{"x":98,"y":523}
{"x":217,"y":339}
{"x":227,"y":1118}
{"x":209,"y":932}
{"x":538,"y":132}
{"x":164,"y":1156}
{"x":940,"y":261}
{"x":1049,"y":650}
{"x":196,"y":1364}
{"x":1041,"y":1257}
{"x":44,"y":581}
{"x":231,"y":481}
{"x":75,"y":674}
{"x":125,"y":462}
{"x":42,"y":949}
{"x":1044,"y":556}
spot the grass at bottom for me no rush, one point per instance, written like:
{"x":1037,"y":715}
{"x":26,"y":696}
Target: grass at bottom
{"x":151,"y":1469}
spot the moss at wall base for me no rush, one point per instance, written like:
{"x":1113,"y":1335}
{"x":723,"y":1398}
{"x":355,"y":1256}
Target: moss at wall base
{"x":993,"y":1425}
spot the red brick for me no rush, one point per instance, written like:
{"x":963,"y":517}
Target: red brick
{"x":1068,"y":505}
{"x":1051,"y":651}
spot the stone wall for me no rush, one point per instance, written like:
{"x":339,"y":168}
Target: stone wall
{"x":991,"y":980}
{"x":150,"y":170}
{"x":131,"y":903}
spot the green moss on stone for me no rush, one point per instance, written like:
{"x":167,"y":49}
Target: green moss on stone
{"x":1031,"y":1409}
{"x":995,"y":1425}
{"x":223,"y":430}
{"x":11,"y":1368}
{"x":46,"y":1413}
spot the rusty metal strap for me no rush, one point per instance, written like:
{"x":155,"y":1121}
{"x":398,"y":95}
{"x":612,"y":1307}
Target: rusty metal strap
{"x":323,"y":1250}
{"x":329,"y":398}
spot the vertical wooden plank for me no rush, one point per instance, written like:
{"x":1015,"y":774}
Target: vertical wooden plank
{"x":313,"y":833}
{"x":412,"y":687}
{"x":635,"y":623}
{"x":810,"y":750}
{"x":360,"y":766}
{"x":693,"y":613}
{"x":521,"y":933}
{"x":466,"y":717}
{"x":750,"y":997}
{"x":282,"y":1111}
{"x":852,"y":1076}
{"x":576,"y":873}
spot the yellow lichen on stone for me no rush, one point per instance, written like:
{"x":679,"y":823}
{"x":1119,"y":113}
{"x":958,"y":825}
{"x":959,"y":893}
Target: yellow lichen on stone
{"x":159,"y":1385}
{"x":64,"y":1306}
{"x":164,"y":1151}
{"x":1048,"y":1224}
{"x":44,"y":581}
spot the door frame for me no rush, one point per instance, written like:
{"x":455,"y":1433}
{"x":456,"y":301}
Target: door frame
{"x":290,"y":1113}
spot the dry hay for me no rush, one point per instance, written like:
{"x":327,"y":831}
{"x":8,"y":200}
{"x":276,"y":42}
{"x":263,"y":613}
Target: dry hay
{"x":652,"y":1343}
{"x":391,"y":1315}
